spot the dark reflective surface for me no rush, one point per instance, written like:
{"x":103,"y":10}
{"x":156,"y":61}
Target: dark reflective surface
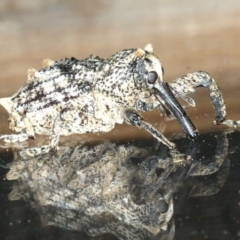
{"x":134,"y":190}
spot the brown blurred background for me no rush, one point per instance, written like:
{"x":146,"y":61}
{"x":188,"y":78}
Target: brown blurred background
{"x":187,"y":36}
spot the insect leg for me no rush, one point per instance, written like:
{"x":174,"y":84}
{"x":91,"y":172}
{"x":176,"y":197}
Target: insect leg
{"x":65,"y":116}
{"x":14,"y":137}
{"x":133,"y":118}
{"x":231,"y":123}
{"x":54,"y":139}
{"x":187,"y":84}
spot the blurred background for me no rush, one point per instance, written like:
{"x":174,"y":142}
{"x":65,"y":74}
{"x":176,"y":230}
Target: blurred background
{"x":187,"y":36}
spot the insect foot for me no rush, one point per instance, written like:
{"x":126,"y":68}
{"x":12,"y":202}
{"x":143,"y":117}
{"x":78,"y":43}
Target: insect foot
{"x":14,"y":138}
{"x":36,"y":151}
{"x":231,"y":123}
{"x":91,"y":95}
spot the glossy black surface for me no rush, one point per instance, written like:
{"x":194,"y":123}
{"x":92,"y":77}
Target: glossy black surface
{"x":214,"y":215}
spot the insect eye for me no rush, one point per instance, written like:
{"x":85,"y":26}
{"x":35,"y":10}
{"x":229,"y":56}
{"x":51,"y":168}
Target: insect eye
{"x":152,"y":77}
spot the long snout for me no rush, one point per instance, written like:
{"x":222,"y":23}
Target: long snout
{"x":164,"y":94}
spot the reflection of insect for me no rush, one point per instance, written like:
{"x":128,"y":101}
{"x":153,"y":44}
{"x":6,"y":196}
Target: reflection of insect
{"x":138,"y":188}
{"x":91,"y":95}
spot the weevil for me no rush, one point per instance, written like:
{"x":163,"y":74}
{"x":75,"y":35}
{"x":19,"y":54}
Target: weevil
{"x":91,"y":95}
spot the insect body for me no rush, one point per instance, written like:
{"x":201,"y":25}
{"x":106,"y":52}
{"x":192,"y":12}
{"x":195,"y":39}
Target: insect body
{"x":91,"y":95}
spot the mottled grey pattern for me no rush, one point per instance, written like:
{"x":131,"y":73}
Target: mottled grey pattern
{"x":91,"y":95}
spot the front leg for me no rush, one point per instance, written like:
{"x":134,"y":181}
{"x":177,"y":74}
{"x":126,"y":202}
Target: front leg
{"x":133,"y":118}
{"x":189,"y":82}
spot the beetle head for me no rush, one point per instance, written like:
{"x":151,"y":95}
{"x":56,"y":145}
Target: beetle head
{"x":148,"y":76}
{"x":148,"y":69}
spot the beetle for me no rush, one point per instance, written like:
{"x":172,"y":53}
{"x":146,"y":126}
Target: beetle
{"x":91,"y":95}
